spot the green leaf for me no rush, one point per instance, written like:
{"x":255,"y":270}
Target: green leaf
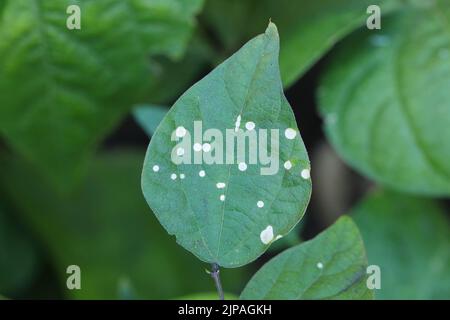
{"x":330,"y":266}
{"x":18,"y":257}
{"x":309,"y":28}
{"x":385,"y":101}
{"x":106,"y":229}
{"x":149,"y":117}
{"x":409,"y":239}
{"x":229,"y":232}
{"x":62,"y":90}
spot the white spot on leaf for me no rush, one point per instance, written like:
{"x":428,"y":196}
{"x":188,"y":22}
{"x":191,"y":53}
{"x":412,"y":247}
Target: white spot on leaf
{"x":180,"y":132}
{"x":197,"y":147}
{"x":290,"y":133}
{"x":242,"y":166}
{"x":220,"y":185}
{"x":155,"y":168}
{"x":305,"y":174}
{"x":173,"y":176}
{"x":182,"y":176}
{"x":250,"y":125}
{"x":320,"y":265}
{"x":288,"y":165}
{"x":260,"y":204}
{"x":206,"y":147}
{"x":180,"y":151}
{"x":201,"y":173}
{"x":222,"y":197}
{"x":266,"y":235}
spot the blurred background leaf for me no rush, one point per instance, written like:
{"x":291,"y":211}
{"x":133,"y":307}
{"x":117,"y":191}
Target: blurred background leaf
{"x":62,"y":91}
{"x":409,"y":239}
{"x":107,"y":229}
{"x":308,"y":29}
{"x":149,"y":117}
{"x":19,"y":261}
{"x":385,"y":101}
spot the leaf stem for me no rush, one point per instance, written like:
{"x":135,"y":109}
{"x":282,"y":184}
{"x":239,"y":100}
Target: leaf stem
{"x":216,"y":277}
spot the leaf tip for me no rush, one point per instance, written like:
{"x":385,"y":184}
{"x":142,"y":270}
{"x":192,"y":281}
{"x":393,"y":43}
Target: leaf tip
{"x":271,"y":28}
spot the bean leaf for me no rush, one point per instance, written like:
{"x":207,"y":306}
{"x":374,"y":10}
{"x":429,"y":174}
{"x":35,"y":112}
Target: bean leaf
{"x":409,"y":239}
{"x":228,"y":212}
{"x":385,"y":101}
{"x":330,"y":266}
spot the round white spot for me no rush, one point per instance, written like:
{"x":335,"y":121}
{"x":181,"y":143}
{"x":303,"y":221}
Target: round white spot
{"x":206,"y":147}
{"x":182,"y":176}
{"x":156,"y":168}
{"x":173,"y":176}
{"x":197,"y":147}
{"x":222,"y":197}
{"x":287,"y":165}
{"x":250,"y":125}
{"x":290,"y":133}
{"x":266,"y":235}
{"x":320,"y":265}
{"x":180,"y":151}
{"x":260,"y":204}
{"x":202,"y":173}
{"x":220,"y":185}
{"x":242,"y":166}
{"x":305,"y":174}
{"x":180,"y":132}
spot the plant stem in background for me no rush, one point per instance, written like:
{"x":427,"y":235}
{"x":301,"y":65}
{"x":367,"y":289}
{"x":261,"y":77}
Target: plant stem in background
{"x":216,"y":277}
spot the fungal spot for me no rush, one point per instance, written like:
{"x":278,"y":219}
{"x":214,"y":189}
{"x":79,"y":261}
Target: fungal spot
{"x":180,"y":132}
{"x":305,"y":174}
{"x":182,"y":176}
{"x":206,"y":147}
{"x":320,"y":265}
{"x":202,"y":173}
{"x":287,"y":165}
{"x":173,"y":176}
{"x":180,"y":151}
{"x":260,"y":204}
{"x":197,"y":147}
{"x":222,"y":197}
{"x":155,"y":168}
{"x":290,"y":133}
{"x":220,"y":185}
{"x":266,"y":235}
{"x":250,"y":125}
{"x":242,"y":166}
